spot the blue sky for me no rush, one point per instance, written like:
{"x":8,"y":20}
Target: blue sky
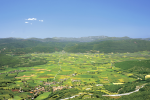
{"x":74,"y":18}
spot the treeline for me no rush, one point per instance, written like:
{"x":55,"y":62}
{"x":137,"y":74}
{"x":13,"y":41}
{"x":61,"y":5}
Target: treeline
{"x":7,"y":60}
{"x":14,"y":61}
{"x":140,"y":67}
{"x":130,"y":64}
{"x":120,"y":46}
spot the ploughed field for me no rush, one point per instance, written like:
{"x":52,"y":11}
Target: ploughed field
{"x":82,"y":75}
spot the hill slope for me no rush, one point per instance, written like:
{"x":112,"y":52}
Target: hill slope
{"x":106,"y":45}
{"x":132,"y":45}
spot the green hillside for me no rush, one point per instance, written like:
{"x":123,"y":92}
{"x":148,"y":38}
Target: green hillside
{"x":120,"y":46}
{"x":24,"y":46}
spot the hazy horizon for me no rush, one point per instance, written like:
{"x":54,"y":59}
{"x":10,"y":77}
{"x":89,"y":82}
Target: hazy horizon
{"x":71,"y":37}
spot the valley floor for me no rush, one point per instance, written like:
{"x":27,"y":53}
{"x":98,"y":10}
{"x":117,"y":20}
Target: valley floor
{"x":76,"y":75}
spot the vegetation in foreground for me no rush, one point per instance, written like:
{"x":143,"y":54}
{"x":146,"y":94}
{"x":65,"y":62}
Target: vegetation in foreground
{"x":79,"y":75}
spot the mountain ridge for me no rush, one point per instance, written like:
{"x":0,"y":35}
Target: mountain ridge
{"x":77,"y":39}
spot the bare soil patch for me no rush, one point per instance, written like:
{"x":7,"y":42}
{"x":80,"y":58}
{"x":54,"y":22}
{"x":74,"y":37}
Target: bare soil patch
{"x":14,"y":90}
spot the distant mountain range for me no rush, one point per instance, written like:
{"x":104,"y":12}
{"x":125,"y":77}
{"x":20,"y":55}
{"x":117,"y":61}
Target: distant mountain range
{"x":74,"y":45}
{"x":80,"y":39}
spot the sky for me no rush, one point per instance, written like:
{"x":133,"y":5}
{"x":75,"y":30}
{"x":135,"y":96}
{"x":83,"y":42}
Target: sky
{"x":74,"y":18}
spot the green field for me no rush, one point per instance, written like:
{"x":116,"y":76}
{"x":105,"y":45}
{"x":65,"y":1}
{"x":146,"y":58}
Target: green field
{"x":83,"y":72}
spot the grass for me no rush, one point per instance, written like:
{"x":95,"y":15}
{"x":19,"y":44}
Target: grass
{"x":43,"y":96}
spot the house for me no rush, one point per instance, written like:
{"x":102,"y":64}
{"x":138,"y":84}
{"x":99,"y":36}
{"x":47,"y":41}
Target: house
{"x":58,"y":88}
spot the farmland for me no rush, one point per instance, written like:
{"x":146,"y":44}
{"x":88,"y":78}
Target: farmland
{"x":68,"y":74}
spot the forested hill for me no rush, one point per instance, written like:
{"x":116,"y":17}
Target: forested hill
{"x":132,"y":45}
{"x":23,"y":46}
{"x":12,"y":43}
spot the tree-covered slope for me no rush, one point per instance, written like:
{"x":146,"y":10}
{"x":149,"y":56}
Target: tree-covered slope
{"x":121,"y":46}
{"x":23,"y":46}
{"x":8,"y":61}
{"x":11,"y":43}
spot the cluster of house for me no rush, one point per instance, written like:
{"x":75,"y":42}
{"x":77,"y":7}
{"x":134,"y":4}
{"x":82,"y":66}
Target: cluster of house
{"x":37,"y":90}
{"x":58,"y":88}
{"x":49,"y":83}
{"x":55,"y":88}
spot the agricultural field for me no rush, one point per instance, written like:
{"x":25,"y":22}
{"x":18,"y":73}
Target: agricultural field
{"x":76,"y":75}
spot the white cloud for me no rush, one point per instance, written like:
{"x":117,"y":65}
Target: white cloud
{"x":31,"y":23}
{"x":26,"y":22}
{"x":41,"y":20}
{"x":31,"y":19}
